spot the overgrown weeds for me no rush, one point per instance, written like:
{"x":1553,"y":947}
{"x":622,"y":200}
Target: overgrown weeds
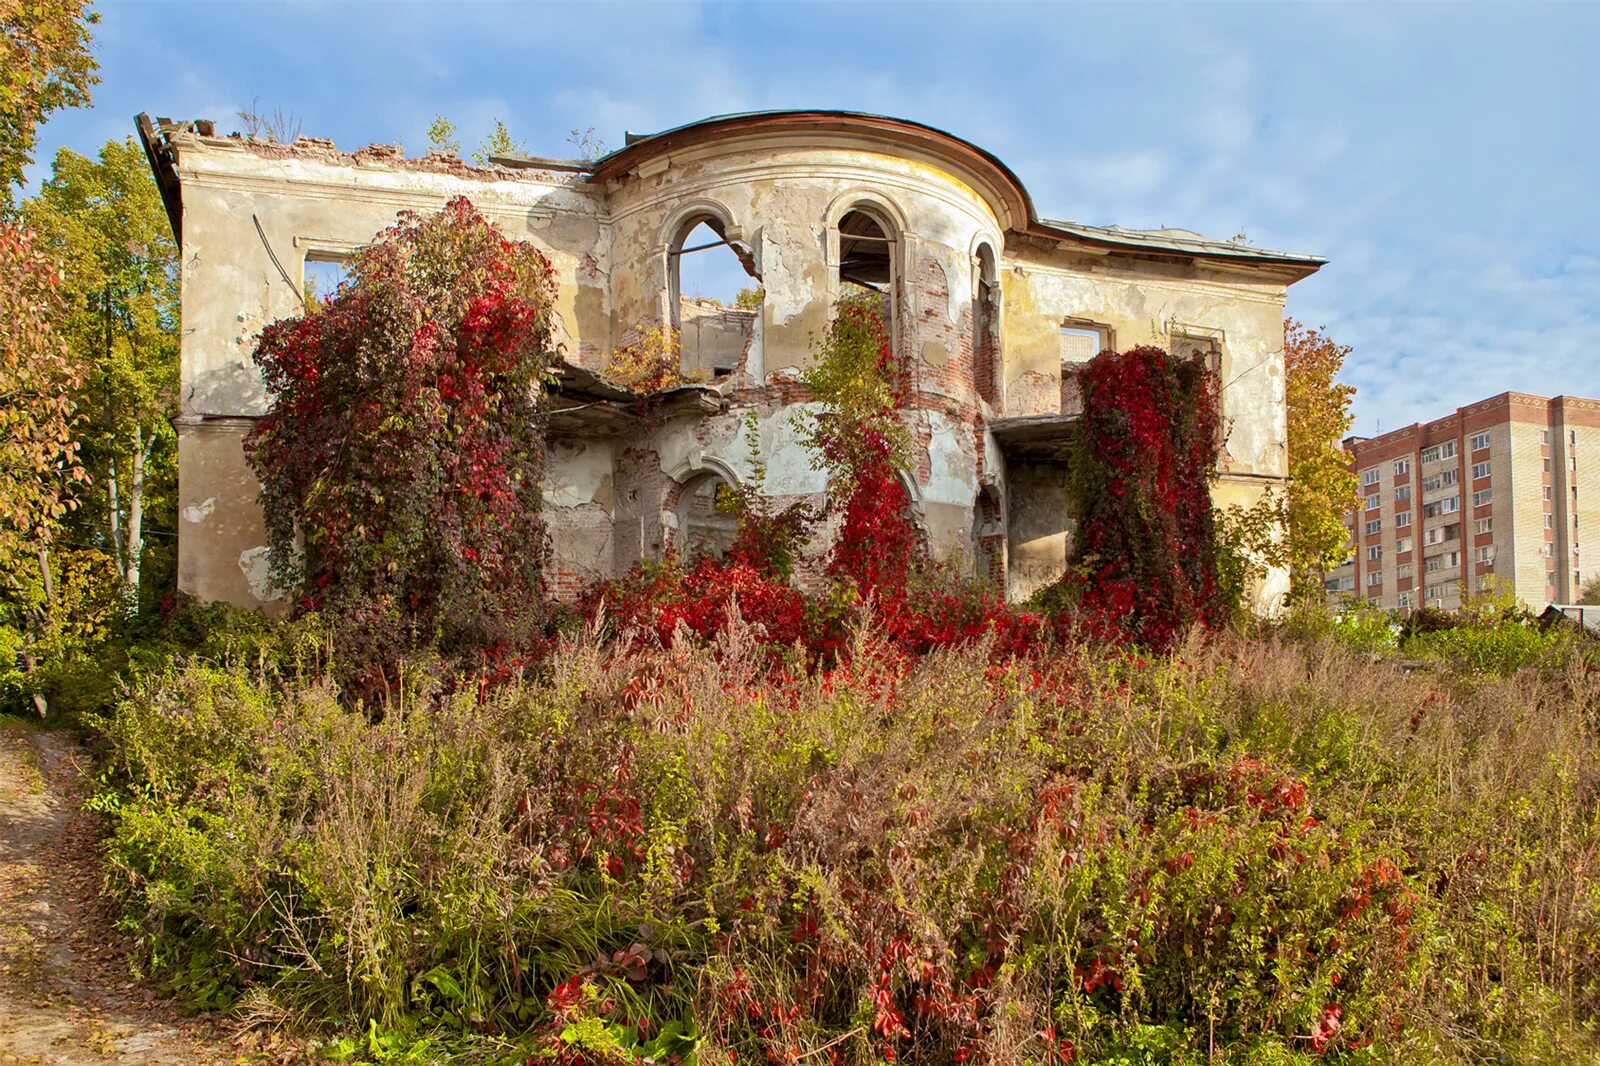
{"x":1267,"y":849}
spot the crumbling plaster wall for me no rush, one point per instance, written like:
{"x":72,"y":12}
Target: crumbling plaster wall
{"x":778,"y":204}
{"x":777,"y":199}
{"x":1146,"y":302}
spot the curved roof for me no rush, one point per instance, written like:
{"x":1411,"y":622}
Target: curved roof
{"x":1004,"y":183}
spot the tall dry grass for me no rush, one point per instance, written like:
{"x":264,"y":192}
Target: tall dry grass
{"x":1255,"y":850}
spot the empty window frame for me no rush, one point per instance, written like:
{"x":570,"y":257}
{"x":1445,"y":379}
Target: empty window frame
{"x":704,"y":528}
{"x":986,"y":325}
{"x":322,"y":275}
{"x":867,"y":256}
{"x":713,"y":297}
{"x":1080,"y":340}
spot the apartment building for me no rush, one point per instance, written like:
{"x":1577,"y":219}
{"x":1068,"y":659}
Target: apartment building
{"x":1503,"y":494}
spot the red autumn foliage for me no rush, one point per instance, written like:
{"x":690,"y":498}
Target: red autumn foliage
{"x":402,"y":456}
{"x":1144,"y":558}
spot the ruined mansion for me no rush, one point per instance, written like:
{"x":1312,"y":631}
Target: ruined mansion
{"x":991,"y":305}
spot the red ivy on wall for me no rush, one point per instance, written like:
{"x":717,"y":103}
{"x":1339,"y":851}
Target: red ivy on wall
{"x":402,"y":456}
{"x":1144,"y":558}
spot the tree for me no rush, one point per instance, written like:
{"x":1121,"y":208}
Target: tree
{"x":44,"y":65}
{"x":442,"y":136}
{"x":103,"y":218}
{"x":402,"y":458}
{"x":1590,"y":594}
{"x":38,"y":450}
{"x":499,"y":142}
{"x":1322,"y":489}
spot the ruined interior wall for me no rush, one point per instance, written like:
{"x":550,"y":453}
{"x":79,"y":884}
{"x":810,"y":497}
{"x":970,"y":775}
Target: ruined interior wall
{"x":579,"y":510}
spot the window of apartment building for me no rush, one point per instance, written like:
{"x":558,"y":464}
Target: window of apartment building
{"x":1544,"y":436}
{"x":1374,"y":526}
{"x":1485,"y":554}
{"x":1550,"y":577}
{"x":1402,"y":467}
{"x":1485,"y":582}
{"x":1547,"y":467}
{"x":1402,"y":518}
{"x":1403,"y":600}
{"x":1437,"y":535}
{"x":1480,"y":441}
{"x":1450,"y":504}
{"x":1572,"y":437}
{"x":1547,"y":551}
{"x":1373,"y":501}
{"x":1402,"y":493}
{"x":1374,"y":577}
{"x":1549,"y":521}
{"x":1433,"y":564}
{"x":1435,"y":452}
{"x":1436,"y":592}
{"x":1369,"y":476}
{"x":1404,"y":570}
{"x":1443,"y":479}
{"x":1549,"y":493}
{"x":1402,"y":545}
{"x":1374,"y":553}
{"x":1485,"y":525}
{"x":1480,"y":469}
{"x":1482,"y":497}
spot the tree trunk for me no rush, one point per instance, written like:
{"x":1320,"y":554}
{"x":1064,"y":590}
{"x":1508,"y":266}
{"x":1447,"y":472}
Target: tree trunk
{"x":41,"y":620}
{"x":134,"y":554}
{"x":114,"y":508}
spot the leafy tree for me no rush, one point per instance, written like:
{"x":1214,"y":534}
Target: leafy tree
{"x":44,"y":65}
{"x":402,"y":458}
{"x":442,"y":136}
{"x":104,"y":219}
{"x":38,"y":447}
{"x":1590,"y":594}
{"x":1323,"y":488}
{"x":499,"y":142}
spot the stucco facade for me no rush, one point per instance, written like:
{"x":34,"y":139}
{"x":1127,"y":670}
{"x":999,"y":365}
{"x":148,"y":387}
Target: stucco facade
{"x":992,"y":307}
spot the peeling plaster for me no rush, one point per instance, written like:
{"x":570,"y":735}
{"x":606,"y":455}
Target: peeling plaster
{"x":199,"y":512}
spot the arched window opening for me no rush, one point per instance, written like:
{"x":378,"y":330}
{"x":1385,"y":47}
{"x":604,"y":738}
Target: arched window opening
{"x":989,"y":538}
{"x":985,"y":328}
{"x":703,"y":528}
{"x":715,"y":297}
{"x":867,"y":259}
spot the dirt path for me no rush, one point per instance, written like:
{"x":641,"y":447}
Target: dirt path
{"x":65,"y":991}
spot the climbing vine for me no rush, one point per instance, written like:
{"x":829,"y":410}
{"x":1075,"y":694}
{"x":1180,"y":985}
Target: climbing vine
{"x":1144,"y":564}
{"x":402,"y":455}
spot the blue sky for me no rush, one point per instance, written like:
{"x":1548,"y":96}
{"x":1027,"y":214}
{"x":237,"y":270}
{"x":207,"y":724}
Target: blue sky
{"x":1445,"y":158}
